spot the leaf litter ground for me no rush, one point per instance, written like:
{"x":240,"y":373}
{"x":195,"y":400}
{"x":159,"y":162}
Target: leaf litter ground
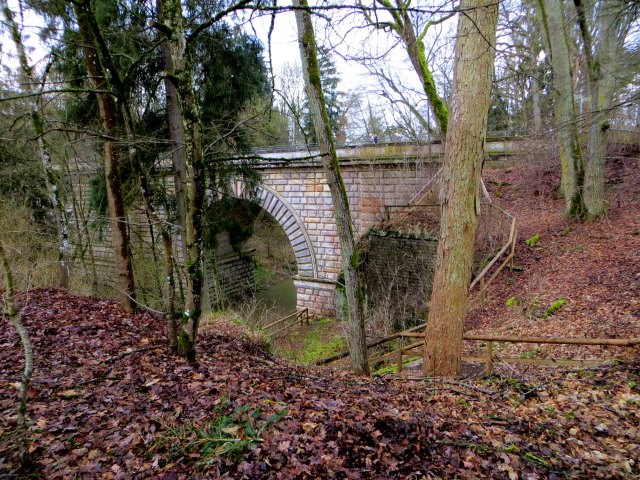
{"x":109,"y":401}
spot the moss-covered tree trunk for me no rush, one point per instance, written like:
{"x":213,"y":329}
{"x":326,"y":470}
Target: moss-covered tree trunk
{"x":171,"y":22}
{"x":350,"y":254}
{"x":37,"y":119}
{"x":98,"y":74}
{"x":416,"y":51}
{"x":464,"y":153}
{"x":403,"y":26}
{"x":552,"y":19}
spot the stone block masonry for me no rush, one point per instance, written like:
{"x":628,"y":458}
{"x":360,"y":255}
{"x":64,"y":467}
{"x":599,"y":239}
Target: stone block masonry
{"x":296,"y":194}
{"x":398,"y":273}
{"x":235,"y":275}
{"x":317,"y":296}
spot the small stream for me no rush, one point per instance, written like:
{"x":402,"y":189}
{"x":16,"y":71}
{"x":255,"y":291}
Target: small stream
{"x":279,"y":299}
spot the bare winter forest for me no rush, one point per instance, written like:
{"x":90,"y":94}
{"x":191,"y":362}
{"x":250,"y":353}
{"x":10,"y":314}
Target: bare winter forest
{"x":320,"y":240}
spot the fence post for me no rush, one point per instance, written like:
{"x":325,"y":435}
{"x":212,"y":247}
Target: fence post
{"x":489,"y":358}
{"x":399,"y":354}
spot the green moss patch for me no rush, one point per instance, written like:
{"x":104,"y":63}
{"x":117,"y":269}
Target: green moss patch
{"x":309,"y":343}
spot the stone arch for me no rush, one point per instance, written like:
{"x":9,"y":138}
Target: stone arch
{"x":280,"y":209}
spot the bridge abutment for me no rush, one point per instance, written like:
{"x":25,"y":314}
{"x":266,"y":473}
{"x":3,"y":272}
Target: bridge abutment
{"x":316,"y":295}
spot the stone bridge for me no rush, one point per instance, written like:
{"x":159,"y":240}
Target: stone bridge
{"x":295,"y":193}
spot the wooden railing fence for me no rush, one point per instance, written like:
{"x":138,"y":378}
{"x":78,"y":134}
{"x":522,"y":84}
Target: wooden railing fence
{"x":490,"y":356}
{"x":294,"y":318}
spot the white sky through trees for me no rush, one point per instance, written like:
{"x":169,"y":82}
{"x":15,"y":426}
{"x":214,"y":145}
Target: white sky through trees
{"x":340,"y":30}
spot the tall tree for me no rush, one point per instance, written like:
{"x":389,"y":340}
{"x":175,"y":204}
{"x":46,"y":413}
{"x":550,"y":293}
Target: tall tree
{"x":612,"y":21}
{"x":351,"y":256}
{"x":552,"y":18}
{"x":180,"y":72}
{"x":188,"y":61}
{"x":112,"y":152}
{"x":464,"y":153}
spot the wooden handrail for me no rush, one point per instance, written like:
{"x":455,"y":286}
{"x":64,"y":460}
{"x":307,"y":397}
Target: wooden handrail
{"x":510,"y":243}
{"x":279,"y":321}
{"x":414,"y":333}
{"x":490,"y":357}
{"x":300,"y":315}
{"x":297,"y":315}
{"x":346,"y":353}
{"x":385,"y":356}
{"x":621,"y":342}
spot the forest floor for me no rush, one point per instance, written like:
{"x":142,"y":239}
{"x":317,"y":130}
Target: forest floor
{"x":581,"y":279}
{"x":109,"y":401}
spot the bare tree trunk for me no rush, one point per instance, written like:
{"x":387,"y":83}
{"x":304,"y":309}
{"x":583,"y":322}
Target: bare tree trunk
{"x":536,"y":111}
{"x":535,"y":101}
{"x":594,"y":199}
{"x":552,"y":19}
{"x":464,"y":153}
{"x":43,"y":147}
{"x":351,"y":256}
{"x":170,"y":307}
{"x":613,"y":24}
{"x":120,"y":90}
{"x":109,"y":118}
{"x":14,"y":318}
{"x":171,"y":23}
{"x":176,"y":133}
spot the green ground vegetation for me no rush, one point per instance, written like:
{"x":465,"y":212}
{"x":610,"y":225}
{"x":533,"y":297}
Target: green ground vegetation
{"x":309,"y":343}
{"x":393,"y":368}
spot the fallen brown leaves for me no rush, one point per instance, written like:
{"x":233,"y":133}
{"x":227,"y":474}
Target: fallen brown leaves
{"x":109,"y":401}
{"x":594,"y":266}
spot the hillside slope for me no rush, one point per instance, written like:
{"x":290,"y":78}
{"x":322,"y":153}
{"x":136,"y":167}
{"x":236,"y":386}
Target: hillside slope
{"x":593,"y":266}
{"x":109,"y":401}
